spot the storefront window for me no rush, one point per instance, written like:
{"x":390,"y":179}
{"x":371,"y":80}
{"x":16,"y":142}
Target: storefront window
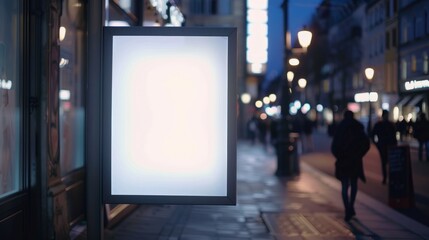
{"x":425,"y":63}
{"x":10,"y":104}
{"x":72,"y":82}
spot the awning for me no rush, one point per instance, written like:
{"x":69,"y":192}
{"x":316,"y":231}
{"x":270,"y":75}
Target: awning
{"x":416,"y":99}
{"x":403,"y":100}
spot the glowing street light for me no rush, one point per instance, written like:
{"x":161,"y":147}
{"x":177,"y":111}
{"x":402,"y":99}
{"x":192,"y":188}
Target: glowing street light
{"x":290,"y":76}
{"x":245,"y":98}
{"x":369,"y":73}
{"x":302,"y":82}
{"x":272,"y":97}
{"x":304,"y":38}
{"x":294,"y":61}
{"x":266,"y":100}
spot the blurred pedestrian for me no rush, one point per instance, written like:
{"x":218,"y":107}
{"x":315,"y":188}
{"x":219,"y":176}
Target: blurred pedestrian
{"x":349,"y":145}
{"x":252,"y":129}
{"x":401,"y":128}
{"x":262,"y":131}
{"x":421,"y":133}
{"x":308,"y":134}
{"x":384,"y":136}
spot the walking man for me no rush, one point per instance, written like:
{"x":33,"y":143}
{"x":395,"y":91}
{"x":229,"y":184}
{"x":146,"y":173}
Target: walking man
{"x":384,"y":136}
{"x":421,"y":133}
{"x":349,"y":145}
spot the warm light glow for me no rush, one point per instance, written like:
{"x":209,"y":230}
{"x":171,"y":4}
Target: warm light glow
{"x":294,"y":61}
{"x":396,"y":114}
{"x":369,"y":73}
{"x":259,"y":104}
{"x":365,"y":97}
{"x":257,"y":16}
{"x":266,"y":100}
{"x":257,"y":29}
{"x":272,"y":97}
{"x":290,"y":76}
{"x":257,"y":4}
{"x":409,"y":117}
{"x":304,"y":38}
{"x":63,"y":31}
{"x":263,"y":116}
{"x":256,"y":68}
{"x":245,"y":98}
{"x":302,"y":83}
{"x":373,"y":96}
{"x":256,"y":56}
{"x":259,"y":42}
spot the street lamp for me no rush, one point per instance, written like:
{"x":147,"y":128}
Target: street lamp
{"x":304,"y":38}
{"x":294,"y":62}
{"x":369,"y":74}
{"x":285,"y":147}
{"x":290,"y":76}
{"x":302,"y":83}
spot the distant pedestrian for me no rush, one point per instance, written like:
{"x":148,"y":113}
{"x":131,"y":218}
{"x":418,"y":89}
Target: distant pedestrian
{"x":421,"y":133}
{"x":262,"y":130}
{"x":252,"y":129}
{"x":401,"y":128}
{"x":349,"y":145}
{"x":308,"y":134}
{"x":384,"y":136}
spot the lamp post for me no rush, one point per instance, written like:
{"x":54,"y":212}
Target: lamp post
{"x":369,"y":74}
{"x":284,"y":145}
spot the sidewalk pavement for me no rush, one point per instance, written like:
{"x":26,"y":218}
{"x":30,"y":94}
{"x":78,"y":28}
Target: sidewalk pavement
{"x":307,"y":206}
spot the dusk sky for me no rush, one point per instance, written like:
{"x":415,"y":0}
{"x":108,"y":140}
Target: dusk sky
{"x":300,"y":12}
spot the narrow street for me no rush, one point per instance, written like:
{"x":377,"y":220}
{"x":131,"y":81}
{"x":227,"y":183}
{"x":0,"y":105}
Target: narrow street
{"x":322,"y":159}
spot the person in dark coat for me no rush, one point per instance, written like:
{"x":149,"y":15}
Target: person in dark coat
{"x":421,"y":133}
{"x":401,"y":127}
{"x":384,"y":136}
{"x":349,"y":145}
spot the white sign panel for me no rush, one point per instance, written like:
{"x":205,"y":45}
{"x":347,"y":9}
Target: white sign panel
{"x":170,"y":97}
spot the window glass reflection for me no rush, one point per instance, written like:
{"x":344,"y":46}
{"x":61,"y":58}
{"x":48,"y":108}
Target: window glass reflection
{"x":10,"y":117}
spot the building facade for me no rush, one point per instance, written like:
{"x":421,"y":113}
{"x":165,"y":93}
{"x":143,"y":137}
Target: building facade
{"x":391,"y":53}
{"x":413,"y":62}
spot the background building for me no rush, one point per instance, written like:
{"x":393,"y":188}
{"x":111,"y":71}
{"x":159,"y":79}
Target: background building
{"x":413,"y":50}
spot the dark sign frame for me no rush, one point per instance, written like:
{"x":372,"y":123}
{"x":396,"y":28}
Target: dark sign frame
{"x":108,"y":197}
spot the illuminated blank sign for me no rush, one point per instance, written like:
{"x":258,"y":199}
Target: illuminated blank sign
{"x":169,"y":110}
